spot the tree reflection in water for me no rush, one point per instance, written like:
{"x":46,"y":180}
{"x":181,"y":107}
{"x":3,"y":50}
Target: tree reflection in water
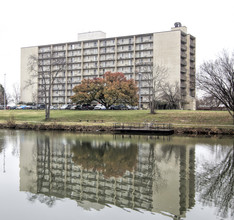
{"x":215,"y":184}
{"x":111,"y":161}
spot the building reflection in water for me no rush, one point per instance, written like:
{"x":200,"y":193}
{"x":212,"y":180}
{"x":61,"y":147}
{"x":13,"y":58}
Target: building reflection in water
{"x":157,"y":174}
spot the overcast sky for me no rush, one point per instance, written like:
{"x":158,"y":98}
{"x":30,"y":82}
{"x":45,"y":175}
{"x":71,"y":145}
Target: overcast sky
{"x":37,"y":22}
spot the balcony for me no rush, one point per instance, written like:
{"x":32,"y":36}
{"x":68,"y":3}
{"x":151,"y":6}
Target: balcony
{"x":183,"y":47}
{"x":183,"y":39}
{"x":183,"y":77}
{"x":183,"y":70}
{"x":192,"y":65}
{"x":183,"y":85}
{"x":192,"y":58}
{"x":183,"y":62}
{"x":192,"y":85}
{"x":192,"y":44}
{"x":192,"y":92}
{"x":192,"y":78}
{"x":183,"y":55}
{"x":192,"y":72}
{"x":192,"y":51}
{"x":183,"y":93}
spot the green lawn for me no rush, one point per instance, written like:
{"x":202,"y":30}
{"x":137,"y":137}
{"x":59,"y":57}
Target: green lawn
{"x":176,"y":117}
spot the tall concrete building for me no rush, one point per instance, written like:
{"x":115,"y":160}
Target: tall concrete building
{"x":137,"y":56}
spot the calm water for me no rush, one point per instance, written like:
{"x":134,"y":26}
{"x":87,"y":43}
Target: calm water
{"x":55,"y":175}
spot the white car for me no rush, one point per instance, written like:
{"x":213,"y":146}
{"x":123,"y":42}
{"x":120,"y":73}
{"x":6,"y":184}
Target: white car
{"x":99,"y":107}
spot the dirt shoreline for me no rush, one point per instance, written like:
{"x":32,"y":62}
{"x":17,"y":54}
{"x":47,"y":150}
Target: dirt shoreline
{"x":109,"y":129}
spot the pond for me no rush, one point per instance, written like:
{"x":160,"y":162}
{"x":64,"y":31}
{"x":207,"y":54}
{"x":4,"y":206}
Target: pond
{"x":61,"y":175}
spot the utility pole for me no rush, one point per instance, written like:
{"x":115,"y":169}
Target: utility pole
{"x":4,"y":91}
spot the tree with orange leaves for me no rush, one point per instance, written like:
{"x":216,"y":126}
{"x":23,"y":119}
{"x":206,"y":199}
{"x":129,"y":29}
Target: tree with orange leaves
{"x":112,"y":89}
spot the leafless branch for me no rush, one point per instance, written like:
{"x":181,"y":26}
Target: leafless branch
{"x":216,"y":78}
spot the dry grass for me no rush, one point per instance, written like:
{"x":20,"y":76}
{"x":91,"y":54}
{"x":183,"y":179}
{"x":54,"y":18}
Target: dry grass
{"x":179,"y":118}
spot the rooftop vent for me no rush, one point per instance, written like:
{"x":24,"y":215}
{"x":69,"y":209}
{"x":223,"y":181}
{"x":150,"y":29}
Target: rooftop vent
{"x":177,"y":24}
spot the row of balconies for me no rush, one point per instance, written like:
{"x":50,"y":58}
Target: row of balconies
{"x":94,"y":52}
{"x":79,"y":61}
{"x":95,"y":44}
{"x":122,"y":59}
{"x":91,"y":65}
{"x":149,"y":53}
{"x":72,"y":48}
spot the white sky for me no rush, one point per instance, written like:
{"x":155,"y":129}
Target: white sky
{"x":26,"y":23}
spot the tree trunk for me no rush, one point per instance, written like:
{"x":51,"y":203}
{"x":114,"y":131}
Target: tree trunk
{"x":152,"y":107}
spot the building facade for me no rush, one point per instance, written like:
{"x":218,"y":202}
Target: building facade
{"x":94,"y":54}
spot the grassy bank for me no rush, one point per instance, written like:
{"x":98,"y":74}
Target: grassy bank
{"x":179,"y":118}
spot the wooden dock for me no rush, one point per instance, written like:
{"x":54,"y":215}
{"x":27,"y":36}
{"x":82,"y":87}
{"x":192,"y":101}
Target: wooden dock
{"x":143,"y":128}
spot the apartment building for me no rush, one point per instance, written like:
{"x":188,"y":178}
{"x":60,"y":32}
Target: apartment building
{"x":137,"y":56}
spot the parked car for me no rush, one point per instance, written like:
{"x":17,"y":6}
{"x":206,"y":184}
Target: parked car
{"x":132,"y":107}
{"x":66,"y":106}
{"x":135,"y":108}
{"x":87,"y":107}
{"x":114,"y":107}
{"x":21,"y":107}
{"x":28,"y":107}
{"x":118,"y":107}
{"x":40,"y":106}
{"x":99,"y":107}
{"x":76,"y":107}
{"x":53,"y":107}
{"x":12,"y":107}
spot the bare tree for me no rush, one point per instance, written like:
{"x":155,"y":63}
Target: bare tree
{"x":16,"y":93}
{"x":46,"y":75}
{"x":7,"y":96}
{"x":216,"y":78}
{"x":170,"y":92}
{"x":154,"y":78}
